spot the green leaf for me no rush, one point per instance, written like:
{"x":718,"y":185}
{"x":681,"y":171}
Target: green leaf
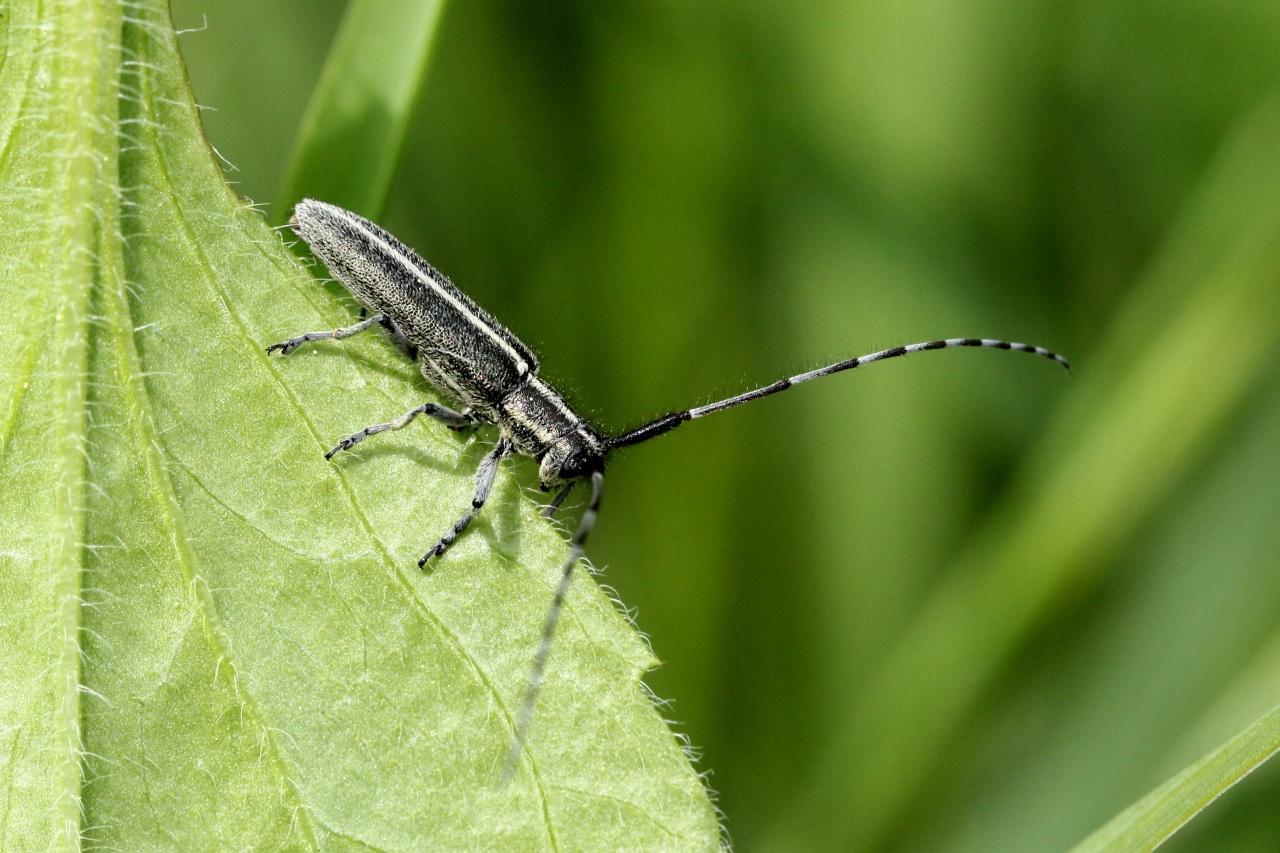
{"x":1150,"y":821}
{"x":359,"y":113}
{"x":210,"y":637}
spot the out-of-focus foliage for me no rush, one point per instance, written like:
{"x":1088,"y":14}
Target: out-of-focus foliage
{"x":359,"y":112}
{"x":957,"y":602}
{"x":1154,"y":818}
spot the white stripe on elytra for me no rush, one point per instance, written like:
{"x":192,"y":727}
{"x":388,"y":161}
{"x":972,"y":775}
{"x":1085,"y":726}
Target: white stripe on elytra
{"x":521,"y":366}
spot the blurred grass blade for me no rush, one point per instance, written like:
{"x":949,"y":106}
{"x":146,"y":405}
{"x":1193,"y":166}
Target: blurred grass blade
{"x":1149,"y":822}
{"x":1254,"y":686}
{"x":359,"y":112}
{"x":1193,"y":341}
{"x":209,"y":634}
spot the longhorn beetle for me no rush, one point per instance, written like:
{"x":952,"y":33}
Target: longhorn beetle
{"x":471,"y":357}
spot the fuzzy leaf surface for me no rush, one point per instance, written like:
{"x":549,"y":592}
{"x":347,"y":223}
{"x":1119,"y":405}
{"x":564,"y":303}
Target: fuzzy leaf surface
{"x":211,"y":637}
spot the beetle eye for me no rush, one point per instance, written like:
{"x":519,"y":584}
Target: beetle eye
{"x":576,"y":465}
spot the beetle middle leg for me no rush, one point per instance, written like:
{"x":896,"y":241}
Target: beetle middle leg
{"x":450,"y":418}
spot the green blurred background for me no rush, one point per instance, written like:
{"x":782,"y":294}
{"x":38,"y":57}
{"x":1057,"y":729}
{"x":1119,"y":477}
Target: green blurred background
{"x":958,"y":601}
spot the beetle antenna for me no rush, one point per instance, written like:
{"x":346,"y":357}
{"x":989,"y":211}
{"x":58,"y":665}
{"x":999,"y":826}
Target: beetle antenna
{"x":549,"y":628}
{"x":666,"y":423}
